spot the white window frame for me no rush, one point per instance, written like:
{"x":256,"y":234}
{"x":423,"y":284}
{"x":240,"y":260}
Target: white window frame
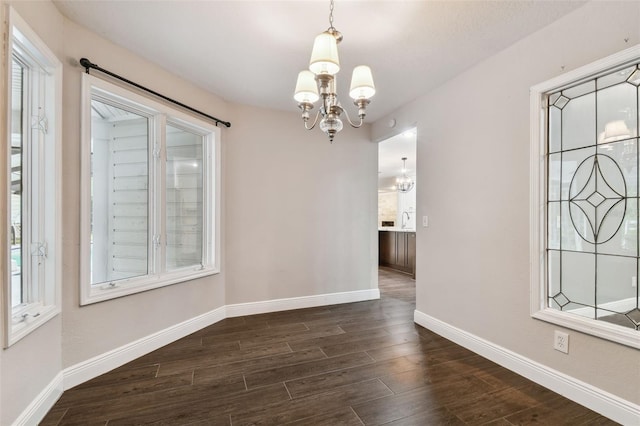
{"x":41,"y":183}
{"x":160,"y":115}
{"x":538,"y":199}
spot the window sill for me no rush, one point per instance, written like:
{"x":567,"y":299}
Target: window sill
{"x":28,"y":318}
{"x":103,"y":292}
{"x":604,"y":330}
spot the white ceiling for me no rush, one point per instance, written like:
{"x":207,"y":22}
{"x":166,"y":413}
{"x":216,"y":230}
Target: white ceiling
{"x":251,"y":51}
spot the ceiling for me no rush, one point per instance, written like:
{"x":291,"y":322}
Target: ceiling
{"x":250,"y":52}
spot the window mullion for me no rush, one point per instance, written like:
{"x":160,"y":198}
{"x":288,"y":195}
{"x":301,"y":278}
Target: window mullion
{"x":38,"y":175}
{"x":158,"y":205}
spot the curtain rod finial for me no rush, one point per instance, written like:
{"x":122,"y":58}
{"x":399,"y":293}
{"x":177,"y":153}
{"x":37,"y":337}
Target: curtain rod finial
{"x":87,"y":64}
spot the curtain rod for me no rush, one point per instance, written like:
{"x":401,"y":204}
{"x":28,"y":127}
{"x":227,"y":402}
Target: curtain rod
{"x":87,"y":64}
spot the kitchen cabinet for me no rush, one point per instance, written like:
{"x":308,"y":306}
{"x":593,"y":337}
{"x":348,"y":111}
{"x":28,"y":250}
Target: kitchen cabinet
{"x":397,"y":250}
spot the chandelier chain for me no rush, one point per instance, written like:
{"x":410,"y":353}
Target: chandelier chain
{"x":331,"y":27}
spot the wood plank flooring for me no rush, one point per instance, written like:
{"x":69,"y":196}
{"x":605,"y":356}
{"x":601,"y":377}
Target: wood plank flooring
{"x":362,"y":363}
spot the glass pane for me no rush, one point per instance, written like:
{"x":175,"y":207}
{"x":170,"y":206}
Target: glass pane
{"x":119,"y":193}
{"x":185,"y":214}
{"x":576,"y":171}
{"x":578,"y":309}
{"x":583,"y":220}
{"x":553,"y":259}
{"x":17,"y":161}
{"x":615,"y":78}
{"x":553,"y":226}
{"x":554,"y":177}
{"x":579,"y":122}
{"x":624,"y":154}
{"x":555,"y":129}
{"x":573,"y":230}
{"x":614,"y":318}
{"x":578,"y":277}
{"x":625,"y":240}
{"x":617,"y":112}
{"x":615,"y":278}
{"x":579,"y":90}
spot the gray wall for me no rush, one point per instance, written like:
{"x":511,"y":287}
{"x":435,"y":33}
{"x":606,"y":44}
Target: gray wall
{"x":473,"y":174}
{"x":300,"y":212}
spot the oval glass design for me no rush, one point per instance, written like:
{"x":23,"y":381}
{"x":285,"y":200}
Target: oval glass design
{"x":597,"y":199}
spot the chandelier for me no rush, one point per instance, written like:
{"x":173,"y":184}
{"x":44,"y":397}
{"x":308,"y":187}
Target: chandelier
{"x":404,"y":183}
{"x":320,"y":81}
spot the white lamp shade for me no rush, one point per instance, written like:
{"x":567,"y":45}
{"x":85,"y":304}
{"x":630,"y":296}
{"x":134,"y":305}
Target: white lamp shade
{"x":306,"y":88}
{"x":362,"y":86}
{"x":615,"y":131}
{"x":324,"y":57}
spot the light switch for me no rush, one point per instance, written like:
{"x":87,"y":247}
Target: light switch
{"x":425,"y":221}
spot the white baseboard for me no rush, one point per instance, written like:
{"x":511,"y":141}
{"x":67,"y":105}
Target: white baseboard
{"x":253,"y":308}
{"x":107,"y":361}
{"x":39,"y":407}
{"x":609,"y":405}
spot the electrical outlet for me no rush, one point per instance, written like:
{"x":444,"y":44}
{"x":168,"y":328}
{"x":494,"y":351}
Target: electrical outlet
{"x":425,"y":221}
{"x":561,"y":341}
{"x":634,"y":282}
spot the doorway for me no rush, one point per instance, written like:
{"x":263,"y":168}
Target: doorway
{"x":397,"y":203}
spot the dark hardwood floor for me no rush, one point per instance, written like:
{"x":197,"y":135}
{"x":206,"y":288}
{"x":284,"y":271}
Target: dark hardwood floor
{"x":353,"y":364}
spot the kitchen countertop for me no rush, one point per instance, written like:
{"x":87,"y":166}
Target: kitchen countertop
{"x":395,"y":229}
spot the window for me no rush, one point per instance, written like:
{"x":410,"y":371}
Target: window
{"x":150,"y":194}
{"x":32,"y":267}
{"x":586,"y":245}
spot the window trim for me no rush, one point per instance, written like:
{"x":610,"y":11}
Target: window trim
{"x":537,"y":214}
{"x":47,"y":303}
{"x":161,"y":114}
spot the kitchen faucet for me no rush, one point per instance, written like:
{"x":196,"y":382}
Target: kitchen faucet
{"x":404,"y":224}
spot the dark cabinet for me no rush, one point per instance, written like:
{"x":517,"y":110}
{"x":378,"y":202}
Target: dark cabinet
{"x":397,"y":250}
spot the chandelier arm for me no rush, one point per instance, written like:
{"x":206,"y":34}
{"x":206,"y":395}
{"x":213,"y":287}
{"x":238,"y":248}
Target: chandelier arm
{"x":315,"y":121}
{"x":351,"y":122}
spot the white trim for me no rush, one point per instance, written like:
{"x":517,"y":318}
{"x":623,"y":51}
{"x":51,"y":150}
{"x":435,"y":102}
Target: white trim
{"x":605,"y":403}
{"x":100,"y":364}
{"x":38,"y":408}
{"x":252,"y":308}
{"x":537,"y":203}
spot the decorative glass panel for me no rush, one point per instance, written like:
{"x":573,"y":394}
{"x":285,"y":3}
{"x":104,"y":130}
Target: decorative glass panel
{"x":119,"y":193}
{"x":184,"y":198}
{"x":592,"y":197}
